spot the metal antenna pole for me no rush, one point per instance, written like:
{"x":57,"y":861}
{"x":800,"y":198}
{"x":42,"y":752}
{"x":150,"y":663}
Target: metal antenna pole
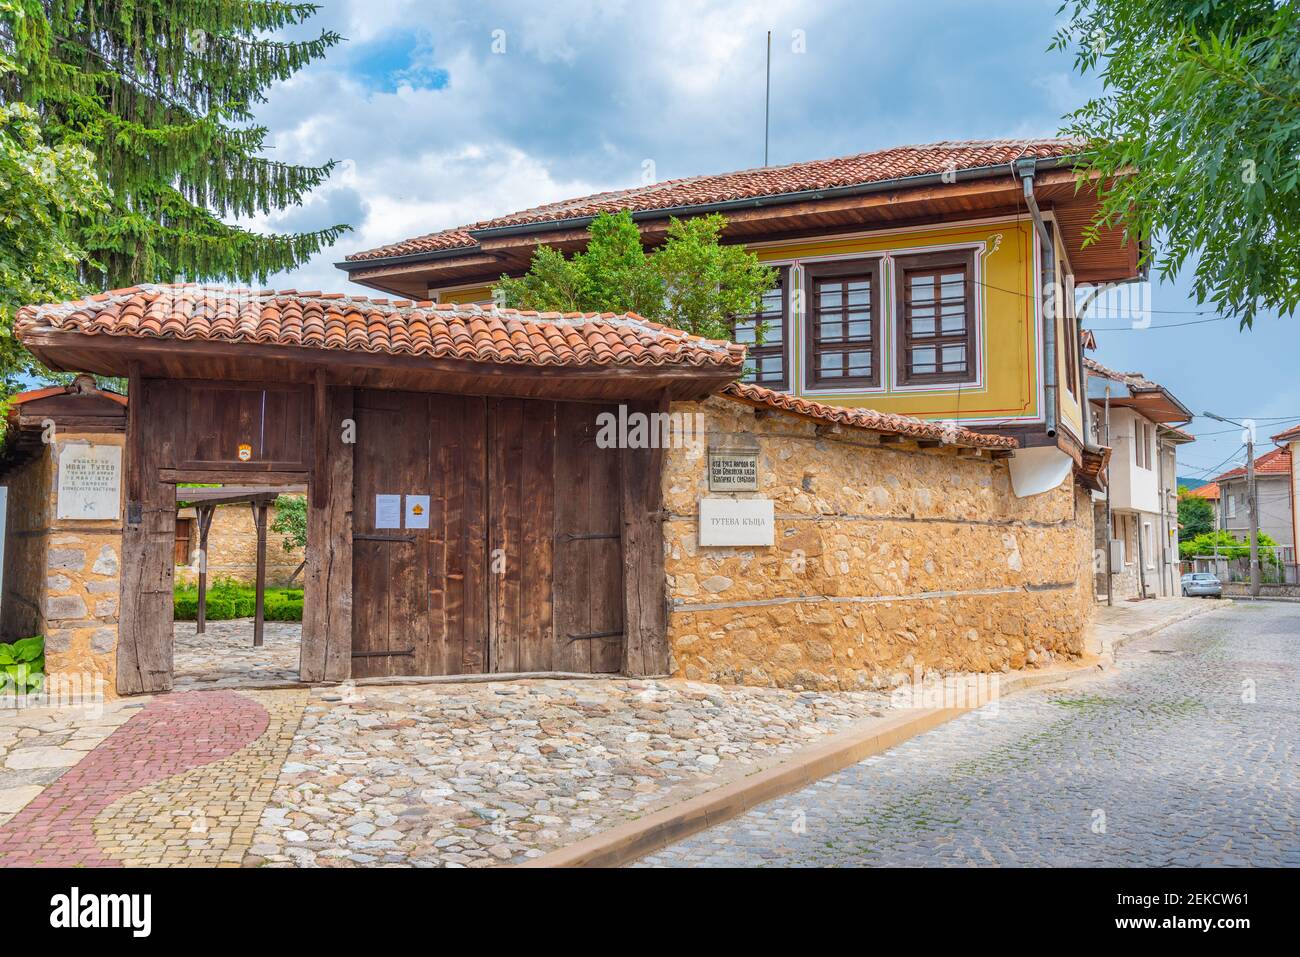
{"x":767,"y":105}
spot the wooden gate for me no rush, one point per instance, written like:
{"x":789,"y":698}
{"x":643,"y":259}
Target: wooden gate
{"x":520,"y":568}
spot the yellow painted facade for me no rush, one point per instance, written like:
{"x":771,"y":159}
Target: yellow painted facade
{"x":1007,"y":390}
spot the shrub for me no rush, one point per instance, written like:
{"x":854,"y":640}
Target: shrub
{"x":22,"y":665}
{"x":228,"y":599}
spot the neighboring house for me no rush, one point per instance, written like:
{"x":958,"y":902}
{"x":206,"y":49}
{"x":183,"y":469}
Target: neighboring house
{"x":1275,"y":488}
{"x":1210,"y":492}
{"x":1290,"y":440}
{"x":935,"y":281}
{"x":1136,"y":419}
{"x":232,"y":547}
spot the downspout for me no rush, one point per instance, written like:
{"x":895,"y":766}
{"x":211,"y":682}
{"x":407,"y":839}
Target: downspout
{"x":1047,"y":286}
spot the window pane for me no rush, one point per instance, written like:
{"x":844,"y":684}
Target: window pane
{"x":922,"y":326}
{"x":922,"y":288}
{"x":923,"y":360}
{"x":954,"y":358}
{"x":830,"y":297}
{"x":832,"y":331}
{"x":830,"y":365}
{"x":745,"y":333}
{"x":860,"y":363}
{"x":859,"y":294}
{"x":860,"y":330}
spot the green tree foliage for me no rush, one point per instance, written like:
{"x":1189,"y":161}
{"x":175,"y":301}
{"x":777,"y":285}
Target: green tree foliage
{"x":291,"y":520}
{"x":1202,"y":98}
{"x":1195,"y":515}
{"x":1226,"y":546}
{"x":692,"y":282}
{"x":43,"y":190}
{"x":161,"y":92}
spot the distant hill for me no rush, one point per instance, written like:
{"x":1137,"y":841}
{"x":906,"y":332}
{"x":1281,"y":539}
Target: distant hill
{"x":1191,"y":482}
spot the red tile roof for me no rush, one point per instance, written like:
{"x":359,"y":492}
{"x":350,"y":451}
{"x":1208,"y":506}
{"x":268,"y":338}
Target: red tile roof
{"x":866,"y":418}
{"x":400,"y":327}
{"x":897,"y":162}
{"x":1290,"y":435}
{"x":1210,"y":490}
{"x":1276,"y":462}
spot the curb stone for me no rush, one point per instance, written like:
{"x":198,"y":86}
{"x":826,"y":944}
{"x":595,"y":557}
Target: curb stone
{"x":634,"y":839}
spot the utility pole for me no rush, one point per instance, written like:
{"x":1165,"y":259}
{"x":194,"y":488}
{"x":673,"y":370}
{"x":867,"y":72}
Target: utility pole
{"x":1252,"y":499}
{"x":1110,"y":521}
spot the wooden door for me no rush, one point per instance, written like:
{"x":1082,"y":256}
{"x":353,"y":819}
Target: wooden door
{"x":419,"y":593}
{"x":521,"y":568}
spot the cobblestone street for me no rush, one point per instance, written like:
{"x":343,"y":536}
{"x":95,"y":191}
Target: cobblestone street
{"x":1185,"y":754}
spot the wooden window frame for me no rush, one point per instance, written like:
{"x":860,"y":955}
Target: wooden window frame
{"x":869,"y":268}
{"x":933,"y":262}
{"x":758,"y":352}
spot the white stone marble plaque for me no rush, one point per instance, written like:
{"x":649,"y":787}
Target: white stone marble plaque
{"x":733,"y":470}
{"x":733,"y":521}
{"x":90,"y":482}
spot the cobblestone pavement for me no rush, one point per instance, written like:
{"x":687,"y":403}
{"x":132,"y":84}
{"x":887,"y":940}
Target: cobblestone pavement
{"x":224,"y":656}
{"x":1185,"y":754}
{"x":479,"y":774}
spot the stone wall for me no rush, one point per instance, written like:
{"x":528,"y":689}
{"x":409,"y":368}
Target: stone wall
{"x":61,"y":576}
{"x":888,"y":559}
{"x":232,"y":548}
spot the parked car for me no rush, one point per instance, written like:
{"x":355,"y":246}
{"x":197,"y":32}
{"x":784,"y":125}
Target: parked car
{"x":1202,"y":585}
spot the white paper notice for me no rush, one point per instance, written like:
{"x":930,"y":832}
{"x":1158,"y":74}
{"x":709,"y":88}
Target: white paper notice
{"x":388,"y":511}
{"x":90,"y":481}
{"x":417,"y":511}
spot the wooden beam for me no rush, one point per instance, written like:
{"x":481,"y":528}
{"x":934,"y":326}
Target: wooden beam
{"x":205,"y":523}
{"x":645,"y":611}
{"x":259,"y":613}
{"x":231,"y":476}
{"x":326,"y":649}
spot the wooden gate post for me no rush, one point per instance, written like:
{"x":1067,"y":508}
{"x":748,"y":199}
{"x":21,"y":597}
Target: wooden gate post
{"x":327,"y":609}
{"x":645,"y":614}
{"x":144,"y":647}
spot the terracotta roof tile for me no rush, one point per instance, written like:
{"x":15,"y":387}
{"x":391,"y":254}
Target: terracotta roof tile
{"x":897,"y":162}
{"x":356,"y":323}
{"x":1290,"y":435}
{"x":866,"y":418}
{"x":1276,"y":462}
{"x":1210,"y":490}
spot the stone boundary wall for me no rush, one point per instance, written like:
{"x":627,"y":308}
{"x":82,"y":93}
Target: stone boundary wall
{"x":1266,"y":590}
{"x":232,"y":549}
{"x":61,"y":576}
{"x":888,"y":559}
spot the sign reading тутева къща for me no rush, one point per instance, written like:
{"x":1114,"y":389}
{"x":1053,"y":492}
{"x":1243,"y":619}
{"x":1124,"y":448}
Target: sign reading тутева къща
{"x":732,"y":521}
{"x":90,"y":482}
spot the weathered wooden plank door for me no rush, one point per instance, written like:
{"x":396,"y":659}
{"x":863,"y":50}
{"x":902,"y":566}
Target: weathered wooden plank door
{"x":418,"y":594}
{"x":588,"y":549}
{"x":521,"y":568}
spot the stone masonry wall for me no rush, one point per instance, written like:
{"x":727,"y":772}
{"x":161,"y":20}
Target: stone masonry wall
{"x":888,"y":558}
{"x":62,"y":576}
{"x":232,"y":548}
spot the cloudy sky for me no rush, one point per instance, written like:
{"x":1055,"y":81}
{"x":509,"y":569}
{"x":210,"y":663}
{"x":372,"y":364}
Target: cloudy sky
{"x":443,"y":113}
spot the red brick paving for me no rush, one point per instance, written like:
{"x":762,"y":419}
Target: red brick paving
{"x":171,"y":734}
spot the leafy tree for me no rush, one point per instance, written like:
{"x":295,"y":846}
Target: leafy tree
{"x":1202,"y":98}
{"x":162,"y":92}
{"x":291,"y":521}
{"x":692,"y":282}
{"x":42,"y":189}
{"x":1227,"y":547}
{"x":1195,"y":515}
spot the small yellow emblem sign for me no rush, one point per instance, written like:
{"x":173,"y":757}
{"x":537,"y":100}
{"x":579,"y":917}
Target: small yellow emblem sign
{"x":245,"y":452}
{"x":417,"y":509}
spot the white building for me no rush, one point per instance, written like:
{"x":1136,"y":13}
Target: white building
{"x":1137,"y":419}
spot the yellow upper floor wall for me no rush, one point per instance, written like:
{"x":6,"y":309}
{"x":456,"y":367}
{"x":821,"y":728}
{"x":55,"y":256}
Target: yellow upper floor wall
{"x":1004,"y":386}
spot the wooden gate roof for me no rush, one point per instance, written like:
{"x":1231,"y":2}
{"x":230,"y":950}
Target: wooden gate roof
{"x":191,"y":323}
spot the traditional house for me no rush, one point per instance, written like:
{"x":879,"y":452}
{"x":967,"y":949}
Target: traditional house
{"x":1275,"y":488}
{"x":483,"y":495}
{"x":1137,"y":419}
{"x":1210,"y":492}
{"x":935,"y":281}
{"x":1290,"y":440}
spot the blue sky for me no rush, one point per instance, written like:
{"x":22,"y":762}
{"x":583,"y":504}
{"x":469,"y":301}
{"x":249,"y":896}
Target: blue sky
{"x":444,"y":113}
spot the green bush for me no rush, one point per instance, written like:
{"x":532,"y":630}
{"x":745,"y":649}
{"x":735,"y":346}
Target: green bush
{"x":229,"y":599}
{"x":22,"y":665}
